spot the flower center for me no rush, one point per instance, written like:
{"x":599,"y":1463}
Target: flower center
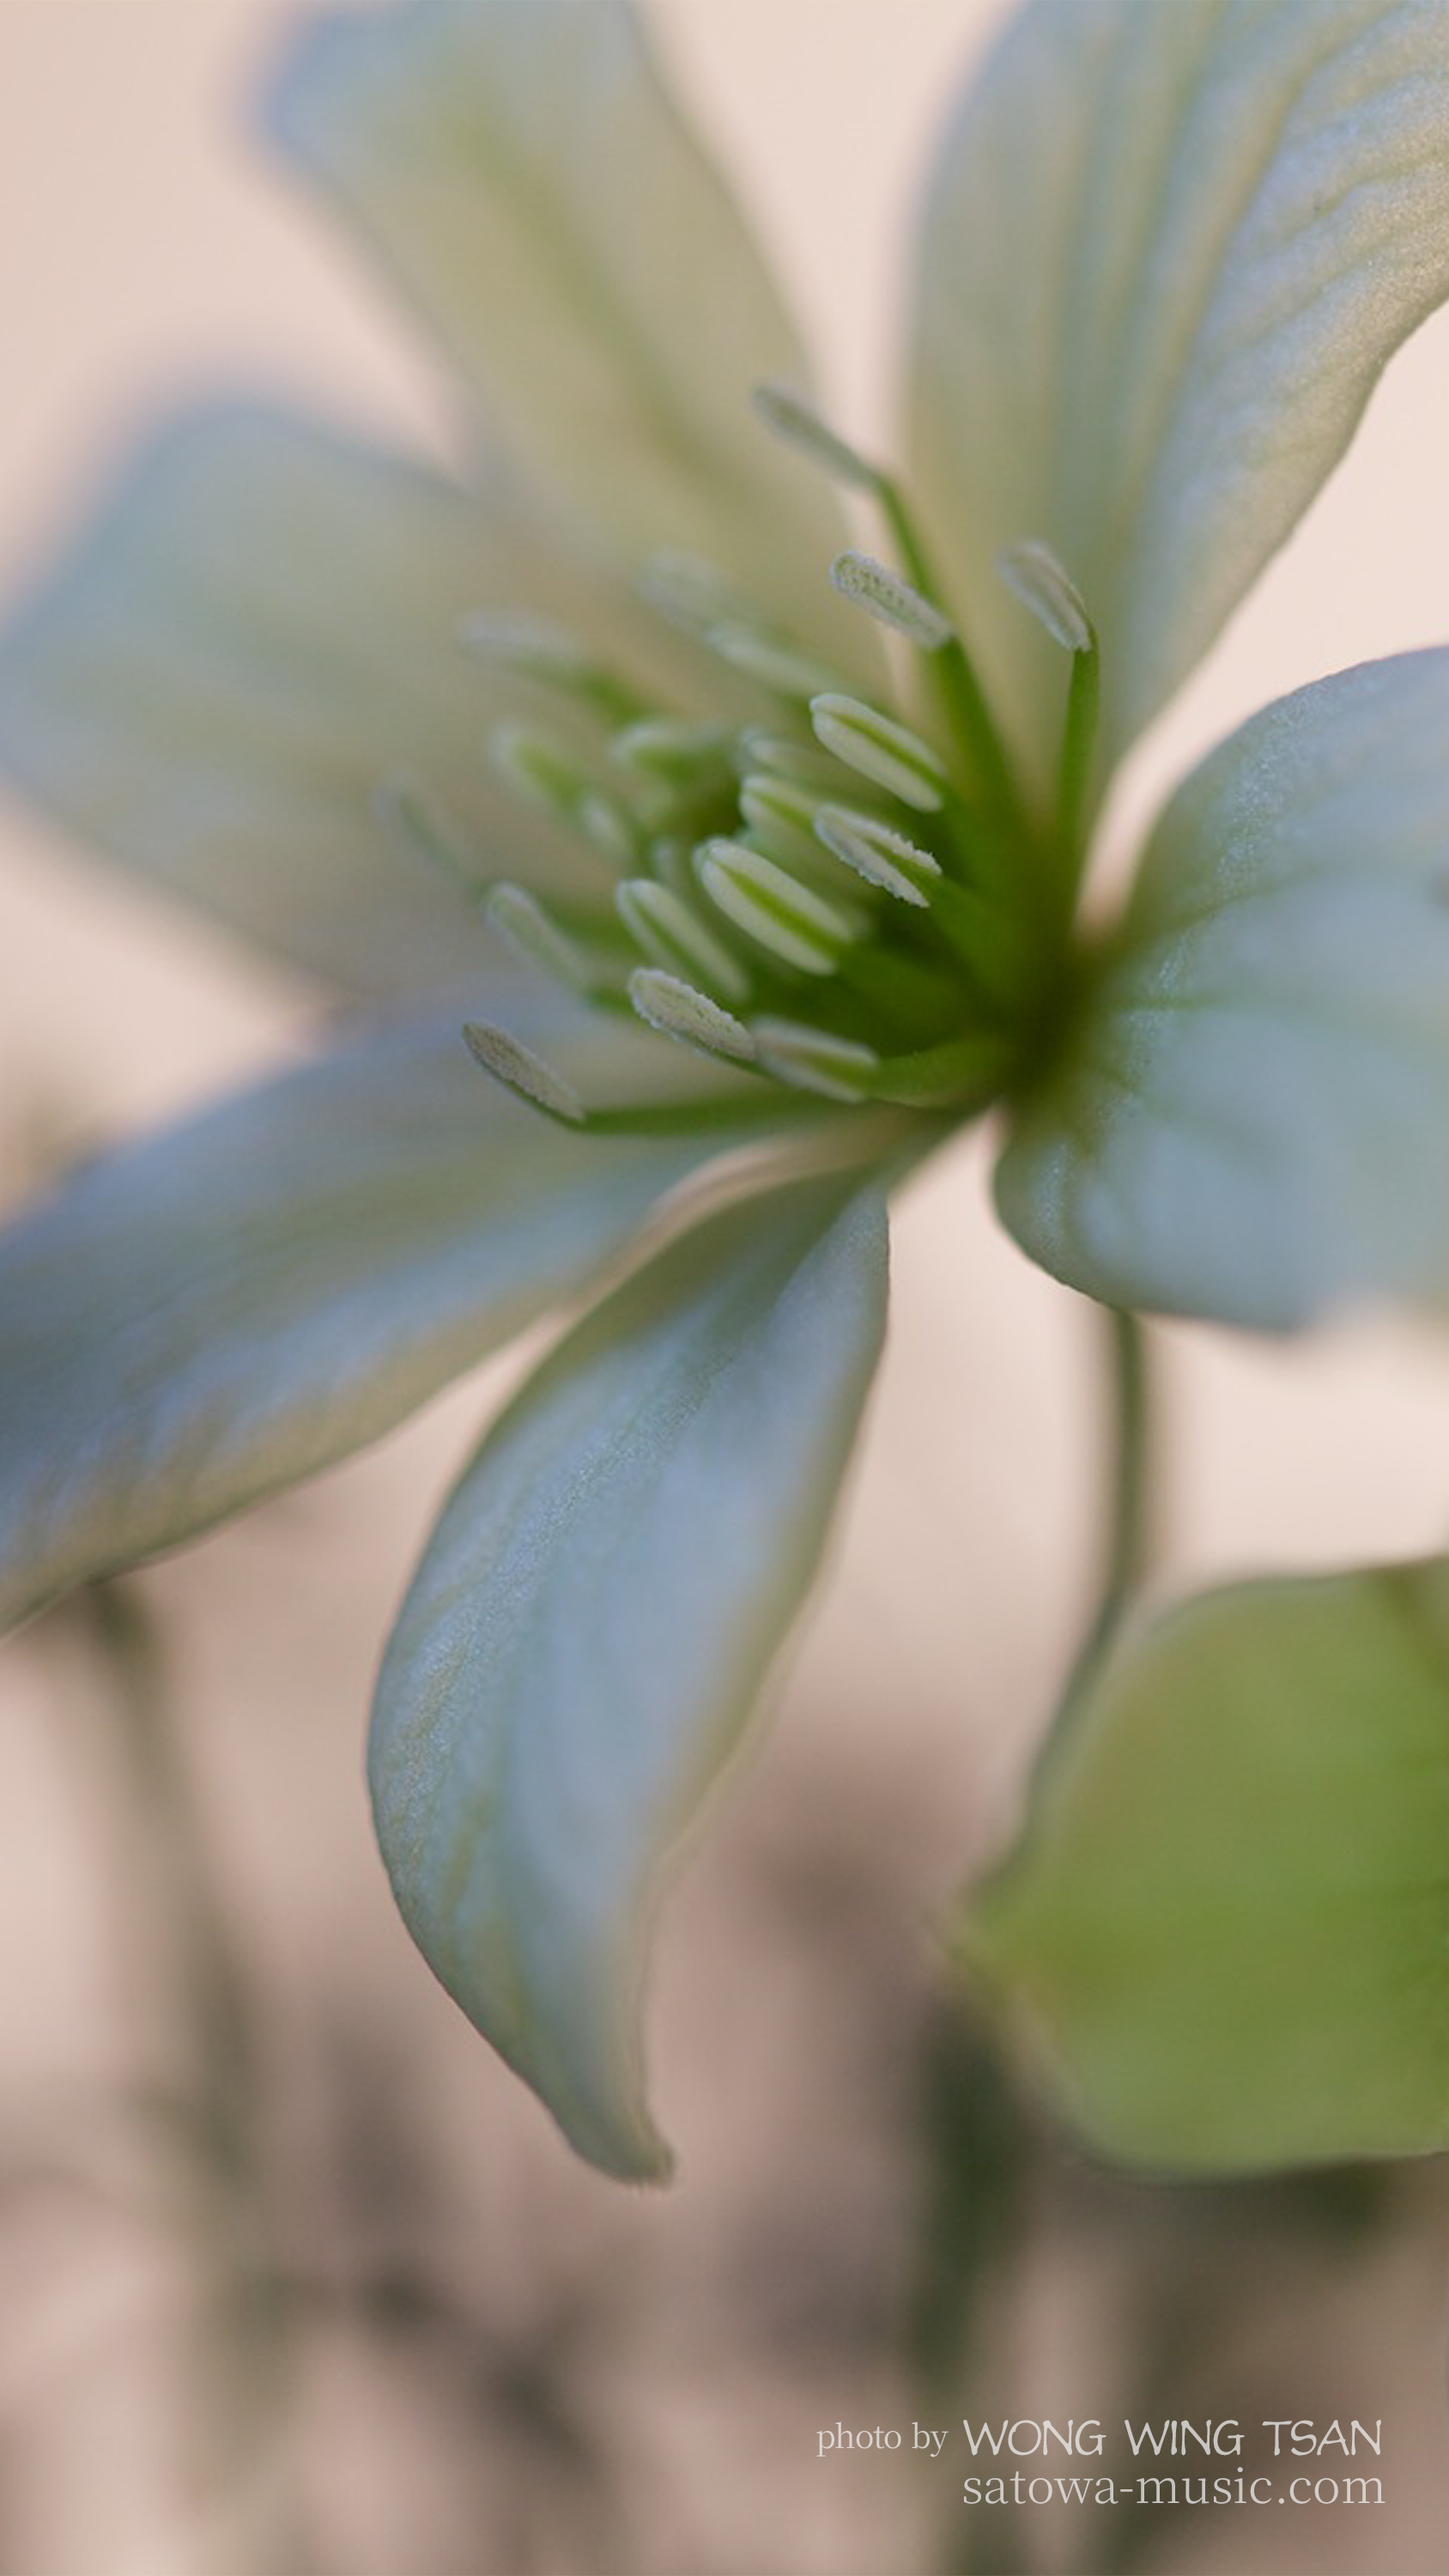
{"x":809,"y":887}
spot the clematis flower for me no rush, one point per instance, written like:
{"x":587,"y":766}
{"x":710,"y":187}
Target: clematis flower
{"x":767,"y":883}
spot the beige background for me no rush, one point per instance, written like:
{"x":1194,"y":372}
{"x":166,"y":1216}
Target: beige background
{"x":144,"y":252}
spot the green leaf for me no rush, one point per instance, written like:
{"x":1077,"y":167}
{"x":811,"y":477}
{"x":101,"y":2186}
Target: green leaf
{"x":1249,"y":1118}
{"x":1230,"y":1923}
{"x":255,"y":631}
{"x":212,"y":1313}
{"x":592,"y":1622}
{"x":528,"y":181}
{"x":1169,"y":248}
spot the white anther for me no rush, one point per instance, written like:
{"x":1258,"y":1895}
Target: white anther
{"x":519,"y":917}
{"x":523,"y":643}
{"x":666,"y":1003}
{"x":879,"y":749}
{"x":769,"y":660}
{"x":520,"y":1070}
{"x":883,"y":856}
{"x":791,"y":417}
{"x":412,"y":823}
{"x":798,"y":926}
{"x":1043,"y":585}
{"x":692,"y":594}
{"x":896,"y":602}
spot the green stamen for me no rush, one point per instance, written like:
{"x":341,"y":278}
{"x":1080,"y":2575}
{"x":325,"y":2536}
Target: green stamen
{"x":690,"y":594}
{"x":796,"y":420}
{"x":800,"y":764}
{"x":516,"y":913}
{"x":672,"y":935}
{"x":538,"y":651}
{"x":774,"y":663}
{"x":722,"y":834}
{"x":1079,"y":743}
{"x":885,"y":752}
{"x":780,"y":820}
{"x":539,"y":769}
{"x":961,"y":1073}
{"x":664,"y":751}
{"x":799,"y":927}
{"x":958,"y":687}
{"x":1043,"y":585}
{"x":964,"y":701}
{"x":814,"y":1060}
{"x":676,"y":1009}
{"x":411,"y":822}
{"x":543,"y":772}
{"x":523,"y":1073}
{"x":877,"y":852}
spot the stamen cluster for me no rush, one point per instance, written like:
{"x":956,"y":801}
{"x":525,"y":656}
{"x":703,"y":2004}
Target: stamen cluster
{"x":821,"y":894}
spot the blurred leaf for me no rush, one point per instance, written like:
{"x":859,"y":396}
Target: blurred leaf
{"x":1230,"y":1923}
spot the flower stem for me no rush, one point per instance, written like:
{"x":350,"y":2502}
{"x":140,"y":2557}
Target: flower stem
{"x":978,"y":2158}
{"x":1130,"y":1515}
{"x":241,"y":2380}
{"x":982,"y":2151}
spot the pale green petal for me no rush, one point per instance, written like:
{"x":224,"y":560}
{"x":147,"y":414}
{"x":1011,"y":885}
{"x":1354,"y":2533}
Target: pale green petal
{"x":1169,"y":248}
{"x":592,"y":1622}
{"x":257,"y":629}
{"x":528,"y":181}
{"x":1231,"y":1924}
{"x":1249,"y":1119}
{"x":222,"y":1308}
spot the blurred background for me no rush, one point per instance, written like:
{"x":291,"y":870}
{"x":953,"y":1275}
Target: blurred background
{"x":294,"y":2279}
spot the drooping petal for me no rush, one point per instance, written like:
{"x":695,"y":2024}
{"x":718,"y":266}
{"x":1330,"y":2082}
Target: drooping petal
{"x":200,"y":1318}
{"x":529,"y":182}
{"x":1168,"y":251}
{"x":593,"y":1619}
{"x":1231,"y":1924}
{"x":1249,"y":1117}
{"x":256,"y":631}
